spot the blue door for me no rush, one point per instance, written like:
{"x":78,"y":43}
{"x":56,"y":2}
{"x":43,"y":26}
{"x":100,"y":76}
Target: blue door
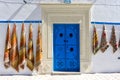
{"x":66,"y":47}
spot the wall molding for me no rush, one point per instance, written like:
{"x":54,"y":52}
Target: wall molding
{"x":62,"y":13}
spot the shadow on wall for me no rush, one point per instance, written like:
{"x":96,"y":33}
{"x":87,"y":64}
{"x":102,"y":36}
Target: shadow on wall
{"x":32,"y":11}
{"x":21,"y":12}
{"x":16,"y":12}
{"x":35,"y":14}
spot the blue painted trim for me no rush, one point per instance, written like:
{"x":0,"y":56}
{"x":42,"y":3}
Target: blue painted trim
{"x":27,"y":21}
{"x":107,"y":23}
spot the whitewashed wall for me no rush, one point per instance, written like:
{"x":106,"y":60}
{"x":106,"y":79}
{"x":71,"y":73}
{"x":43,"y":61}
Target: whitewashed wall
{"x":19,"y":12}
{"x":109,"y":11}
{"x":106,"y":10}
{"x":3,"y":28}
{"x":28,"y":11}
{"x":102,"y":10}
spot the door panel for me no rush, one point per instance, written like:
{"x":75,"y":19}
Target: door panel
{"x":72,"y":65}
{"x":59,"y":65}
{"x":66,"y":47}
{"x":72,"y":33}
{"x":72,"y":51}
{"x":59,"y":34}
{"x":60,"y":51}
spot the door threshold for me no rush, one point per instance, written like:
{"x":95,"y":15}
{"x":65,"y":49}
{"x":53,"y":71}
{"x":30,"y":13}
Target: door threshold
{"x":65,"y":73}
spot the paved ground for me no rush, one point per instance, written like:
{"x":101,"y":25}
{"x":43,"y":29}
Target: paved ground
{"x":65,"y":77}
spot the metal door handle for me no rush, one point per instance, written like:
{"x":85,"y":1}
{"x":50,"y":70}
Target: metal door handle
{"x":65,"y":40}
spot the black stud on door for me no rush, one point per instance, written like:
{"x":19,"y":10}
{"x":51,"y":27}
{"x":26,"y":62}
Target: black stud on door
{"x":66,"y":47}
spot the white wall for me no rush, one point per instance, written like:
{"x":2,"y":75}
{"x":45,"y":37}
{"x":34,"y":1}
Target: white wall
{"x":23,"y":11}
{"x":102,"y":10}
{"x":3,"y":29}
{"x":107,"y":12}
{"x":19,"y":12}
{"x":107,"y":61}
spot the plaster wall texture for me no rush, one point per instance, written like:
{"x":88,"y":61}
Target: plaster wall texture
{"x":102,"y":10}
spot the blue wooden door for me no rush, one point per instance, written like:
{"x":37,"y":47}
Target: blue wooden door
{"x":66,"y":47}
